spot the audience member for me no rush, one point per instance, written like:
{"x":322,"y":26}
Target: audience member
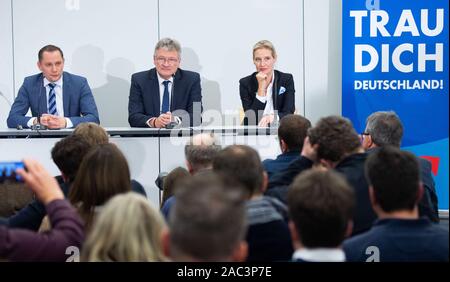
{"x":334,"y":144}
{"x":171,"y":181}
{"x":268,"y":234}
{"x":207,"y":222}
{"x":291,"y":135}
{"x":127,"y":229}
{"x":385,"y":128}
{"x":321,"y":207}
{"x":399,"y":234}
{"x":103,"y":173}
{"x":24,"y":245}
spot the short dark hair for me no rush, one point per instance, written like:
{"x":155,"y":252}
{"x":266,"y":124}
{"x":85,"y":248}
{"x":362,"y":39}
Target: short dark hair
{"x":385,"y":128}
{"x":394,"y":176}
{"x":68,"y":153}
{"x":335,"y":136}
{"x":208,"y":220}
{"x":240,"y":165}
{"x":49,"y":48}
{"x":321,"y":204}
{"x":292,"y":131}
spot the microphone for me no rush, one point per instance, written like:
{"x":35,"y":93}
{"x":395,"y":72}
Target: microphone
{"x":38,"y":126}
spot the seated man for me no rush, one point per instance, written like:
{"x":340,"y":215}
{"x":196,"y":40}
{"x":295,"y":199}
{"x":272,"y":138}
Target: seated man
{"x":165,"y":94}
{"x":57,"y":99}
{"x":291,"y":134}
{"x":385,"y":128}
{"x":399,"y":234}
{"x":321,"y":205}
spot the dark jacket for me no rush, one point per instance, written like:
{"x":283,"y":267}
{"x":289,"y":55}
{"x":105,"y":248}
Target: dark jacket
{"x":392,"y":240}
{"x":283,"y":96}
{"x":144,"y":101}
{"x":280,"y":163}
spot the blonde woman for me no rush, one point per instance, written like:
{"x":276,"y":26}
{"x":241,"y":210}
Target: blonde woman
{"x":127,"y":229}
{"x":266,"y":91}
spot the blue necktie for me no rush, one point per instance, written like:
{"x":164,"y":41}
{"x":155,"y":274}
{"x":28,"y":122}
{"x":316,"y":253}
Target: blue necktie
{"x":52,"y":100}
{"x":165,"y":101}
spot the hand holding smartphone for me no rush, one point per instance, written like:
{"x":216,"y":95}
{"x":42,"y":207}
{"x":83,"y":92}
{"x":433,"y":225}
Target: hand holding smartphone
{"x":8,"y":172}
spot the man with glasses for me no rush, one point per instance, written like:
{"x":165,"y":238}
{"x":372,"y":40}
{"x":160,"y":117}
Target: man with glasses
{"x":165,"y":95}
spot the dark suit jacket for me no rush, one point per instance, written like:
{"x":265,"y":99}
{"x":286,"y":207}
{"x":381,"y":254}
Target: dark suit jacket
{"x":144,"y":100}
{"x":78,"y":101}
{"x":283,"y":102}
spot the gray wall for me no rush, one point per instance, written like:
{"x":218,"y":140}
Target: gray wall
{"x":108,"y":40}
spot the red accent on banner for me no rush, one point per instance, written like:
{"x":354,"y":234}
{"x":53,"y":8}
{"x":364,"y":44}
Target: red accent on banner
{"x":434,"y":163}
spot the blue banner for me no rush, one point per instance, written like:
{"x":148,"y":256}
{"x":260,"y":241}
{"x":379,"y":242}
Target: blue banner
{"x":395,"y":57}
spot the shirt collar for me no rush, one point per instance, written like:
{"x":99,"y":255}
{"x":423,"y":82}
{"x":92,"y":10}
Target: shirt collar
{"x":59,"y":82}
{"x":320,"y":255}
{"x":161,"y":80}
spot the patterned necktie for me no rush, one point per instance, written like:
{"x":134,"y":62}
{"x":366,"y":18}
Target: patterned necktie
{"x":52,"y":100}
{"x":165,"y":101}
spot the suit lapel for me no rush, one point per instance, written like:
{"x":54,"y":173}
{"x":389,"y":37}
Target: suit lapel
{"x":66,"y":94}
{"x":42,"y":96}
{"x":155,"y":92}
{"x":175,"y":89}
{"x":275,"y":87}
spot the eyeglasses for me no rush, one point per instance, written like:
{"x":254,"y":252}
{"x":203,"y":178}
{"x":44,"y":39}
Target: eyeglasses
{"x":361,"y":135}
{"x":170,"y":61}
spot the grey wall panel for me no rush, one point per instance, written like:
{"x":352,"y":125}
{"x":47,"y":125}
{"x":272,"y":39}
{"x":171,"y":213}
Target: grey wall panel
{"x":323,"y":59}
{"x":103,"y":40}
{"x":217,"y":39}
{"x":6,"y":61}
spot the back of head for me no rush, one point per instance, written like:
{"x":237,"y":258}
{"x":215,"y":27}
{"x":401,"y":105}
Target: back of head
{"x":292,"y":131}
{"x":201,"y":150}
{"x":68,"y":153}
{"x":321,"y":205}
{"x":335,"y":136}
{"x":394,"y":176}
{"x":207,"y":221}
{"x":103,"y":174}
{"x":92,"y":133}
{"x":171,"y":182}
{"x":240,"y":165}
{"x":127,"y":229}
{"x":385,"y":128}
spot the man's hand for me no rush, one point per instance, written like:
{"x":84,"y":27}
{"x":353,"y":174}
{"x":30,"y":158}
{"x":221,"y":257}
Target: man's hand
{"x":53,"y":122}
{"x":40,"y":181}
{"x":163,"y":120}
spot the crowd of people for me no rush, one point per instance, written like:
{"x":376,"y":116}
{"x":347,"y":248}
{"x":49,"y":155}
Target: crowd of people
{"x":332,"y":195}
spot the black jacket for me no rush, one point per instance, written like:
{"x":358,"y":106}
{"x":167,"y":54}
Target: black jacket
{"x":283,"y":96}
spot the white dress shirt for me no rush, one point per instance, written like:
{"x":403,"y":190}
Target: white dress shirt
{"x":320,"y":255}
{"x":268,"y":110}
{"x":59,"y":100}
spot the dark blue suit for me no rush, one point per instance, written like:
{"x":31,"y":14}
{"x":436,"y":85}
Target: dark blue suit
{"x":144,"y":100}
{"x":78,"y":101}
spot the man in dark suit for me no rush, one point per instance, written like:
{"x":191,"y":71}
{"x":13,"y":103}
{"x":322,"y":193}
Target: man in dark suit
{"x":57,"y":99}
{"x":165,"y":94}
{"x":399,"y":234}
{"x":291,"y":134}
{"x":385,"y":128}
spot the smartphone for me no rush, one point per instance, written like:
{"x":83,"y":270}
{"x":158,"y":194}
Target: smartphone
{"x":8,"y":172}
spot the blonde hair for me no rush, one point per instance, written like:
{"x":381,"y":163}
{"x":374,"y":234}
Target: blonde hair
{"x":127,"y":229}
{"x":92,"y":133}
{"x":265,"y":44}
